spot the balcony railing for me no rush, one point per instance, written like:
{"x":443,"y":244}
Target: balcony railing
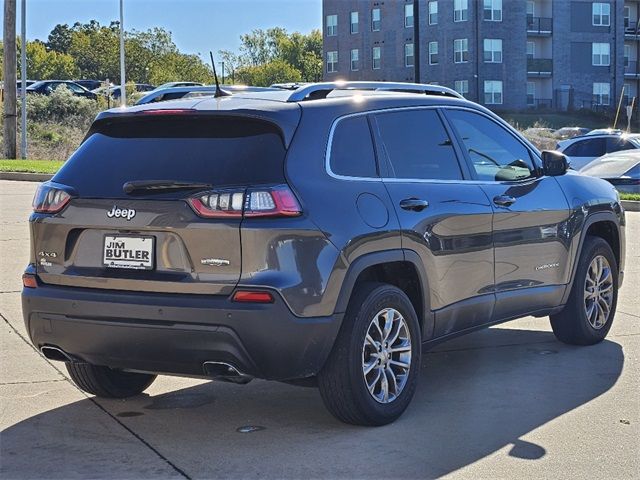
{"x":539,"y":66}
{"x":539,"y":25}
{"x":540,"y":103}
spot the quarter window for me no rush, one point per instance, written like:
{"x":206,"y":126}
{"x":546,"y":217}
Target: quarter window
{"x":332,"y":62}
{"x":433,"y":13}
{"x":408,"y":15}
{"x":417,"y":145}
{"x":601,"y":14}
{"x":332,"y":25}
{"x":493,"y":10}
{"x":460,"y":10}
{"x":492,"y":50}
{"x":352,"y":153}
{"x":600,"y":54}
{"x":495,"y":153}
{"x":493,"y":92}
{"x":433,"y":53}
{"x":375,"y":19}
{"x":460,"y":50}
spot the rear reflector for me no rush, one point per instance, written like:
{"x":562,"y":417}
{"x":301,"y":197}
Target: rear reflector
{"x":29,"y":281}
{"x":247,"y":296}
{"x":49,"y":199}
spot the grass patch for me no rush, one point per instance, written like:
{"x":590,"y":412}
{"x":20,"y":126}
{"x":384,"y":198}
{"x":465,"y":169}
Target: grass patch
{"x":30,"y":166}
{"x":630,"y":196}
{"x":558,"y":120}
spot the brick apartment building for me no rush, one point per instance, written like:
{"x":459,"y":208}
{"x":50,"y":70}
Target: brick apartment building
{"x":506,"y":54}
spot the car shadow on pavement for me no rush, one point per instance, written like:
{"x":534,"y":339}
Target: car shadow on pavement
{"x":477,"y":395}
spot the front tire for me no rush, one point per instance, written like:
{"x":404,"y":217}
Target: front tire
{"x":372,"y":372}
{"x":108,"y":383}
{"x":587,"y":317}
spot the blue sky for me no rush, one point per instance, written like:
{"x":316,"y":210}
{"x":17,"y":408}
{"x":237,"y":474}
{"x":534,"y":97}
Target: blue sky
{"x":197,"y":25}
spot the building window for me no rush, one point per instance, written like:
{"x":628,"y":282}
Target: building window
{"x":332,"y":62}
{"x":375,"y":20}
{"x":600,"y":54}
{"x":627,"y":55}
{"x":601,"y":14}
{"x":627,"y":16}
{"x":531,"y":49}
{"x":531,"y":94}
{"x":433,"y":13}
{"x":433,"y":53}
{"x":355,"y":56}
{"x":354,"y":22}
{"x":493,"y":10}
{"x":332,"y":25}
{"x":492,"y":50}
{"x":408,"y":55}
{"x":493,"y":92}
{"x":460,"y":50}
{"x":460,"y":10}
{"x":531,"y":6}
{"x":601,"y":93}
{"x":408,"y":15}
{"x":461,"y":86}
{"x":375,"y":54}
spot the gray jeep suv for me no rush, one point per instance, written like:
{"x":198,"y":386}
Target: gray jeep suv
{"x":322,"y":236}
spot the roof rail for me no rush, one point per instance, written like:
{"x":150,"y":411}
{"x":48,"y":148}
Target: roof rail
{"x":321,"y":90}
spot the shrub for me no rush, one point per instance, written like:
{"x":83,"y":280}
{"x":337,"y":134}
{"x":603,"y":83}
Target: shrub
{"x":61,"y":106}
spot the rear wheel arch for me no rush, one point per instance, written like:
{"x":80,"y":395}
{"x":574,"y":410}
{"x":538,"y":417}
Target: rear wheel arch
{"x":401,"y":268}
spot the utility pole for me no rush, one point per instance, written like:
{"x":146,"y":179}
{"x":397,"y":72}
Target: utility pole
{"x":9,"y":75}
{"x":23,"y":76}
{"x":123,"y":82}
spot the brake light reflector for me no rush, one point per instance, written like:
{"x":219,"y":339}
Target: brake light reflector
{"x":49,"y":199}
{"x":29,"y":280}
{"x":278,"y":201}
{"x":248,"y":296}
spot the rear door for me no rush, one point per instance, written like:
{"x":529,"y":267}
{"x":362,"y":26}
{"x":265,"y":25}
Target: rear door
{"x":530,"y":215}
{"x":444,"y":219}
{"x":152,"y":240}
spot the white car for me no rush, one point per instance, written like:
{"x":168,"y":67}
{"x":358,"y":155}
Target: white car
{"x":582,"y":150}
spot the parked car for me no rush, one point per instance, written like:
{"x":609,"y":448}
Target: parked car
{"x":89,"y":84}
{"x":179,"y":84}
{"x":621,"y":169}
{"x":606,"y":131}
{"x":570,"y":132}
{"x":174,"y":93}
{"x":46,"y":87}
{"x":305,"y":237}
{"x":582,"y":150}
{"x":115,"y":90}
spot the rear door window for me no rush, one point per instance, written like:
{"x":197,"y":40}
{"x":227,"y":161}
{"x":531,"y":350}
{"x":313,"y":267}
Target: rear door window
{"x":352,"y":153}
{"x":589,"y":147}
{"x":222,"y":151}
{"x":417,"y":145}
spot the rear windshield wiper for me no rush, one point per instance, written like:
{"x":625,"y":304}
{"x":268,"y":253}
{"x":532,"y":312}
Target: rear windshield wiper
{"x":160,"y":185}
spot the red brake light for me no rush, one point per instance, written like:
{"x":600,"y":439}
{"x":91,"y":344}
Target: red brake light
{"x":29,"y":280}
{"x":49,"y":199}
{"x":247,"y":296}
{"x":278,"y":201}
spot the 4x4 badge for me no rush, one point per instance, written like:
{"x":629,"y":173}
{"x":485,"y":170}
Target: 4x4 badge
{"x":116,"y":212}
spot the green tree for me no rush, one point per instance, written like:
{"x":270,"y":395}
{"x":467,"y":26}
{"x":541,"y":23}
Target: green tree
{"x":276,"y":71}
{"x":59,"y":39}
{"x":43,"y":64}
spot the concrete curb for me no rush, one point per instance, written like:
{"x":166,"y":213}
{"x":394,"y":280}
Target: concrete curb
{"x":631,"y":205}
{"x":25,"y":177}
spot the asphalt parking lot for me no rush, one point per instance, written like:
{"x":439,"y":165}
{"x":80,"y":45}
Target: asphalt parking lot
{"x":507,"y":402}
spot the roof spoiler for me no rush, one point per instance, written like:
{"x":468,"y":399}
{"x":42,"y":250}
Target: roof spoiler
{"x":321,"y":90}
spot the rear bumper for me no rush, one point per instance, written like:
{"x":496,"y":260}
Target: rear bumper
{"x":176,"y":333}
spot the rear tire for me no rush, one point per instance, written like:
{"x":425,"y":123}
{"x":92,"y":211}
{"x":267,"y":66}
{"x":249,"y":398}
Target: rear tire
{"x":108,"y":383}
{"x":587,"y":317}
{"x":380,"y":333}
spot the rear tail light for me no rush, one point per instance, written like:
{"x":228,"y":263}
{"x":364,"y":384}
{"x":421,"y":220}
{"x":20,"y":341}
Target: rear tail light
{"x":278,"y":201}
{"x":252,"y":296}
{"x":49,"y":199}
{"x":29,"y":280}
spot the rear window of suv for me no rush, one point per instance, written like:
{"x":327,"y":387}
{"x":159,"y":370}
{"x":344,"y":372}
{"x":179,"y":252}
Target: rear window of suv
{"x":222,"y":151}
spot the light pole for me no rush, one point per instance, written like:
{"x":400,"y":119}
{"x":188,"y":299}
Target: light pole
{"x":123,"y":90}
{"x":23,"y":74}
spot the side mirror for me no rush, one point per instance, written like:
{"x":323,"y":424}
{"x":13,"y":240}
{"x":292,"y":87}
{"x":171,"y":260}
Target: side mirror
{"x":554,"y":163}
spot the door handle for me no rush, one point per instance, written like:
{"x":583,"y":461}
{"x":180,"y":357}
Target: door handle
{"x":413,"y":204}
{"x":504,"y":200}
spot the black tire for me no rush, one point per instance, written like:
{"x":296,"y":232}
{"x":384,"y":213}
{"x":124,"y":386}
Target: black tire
{"x":342,"y":382}
{"x":572,"y":325}
{"x":108,"y":383}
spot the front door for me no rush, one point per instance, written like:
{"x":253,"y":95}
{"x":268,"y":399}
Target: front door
{"x":445,"y":220}
{"x":530,"y":233}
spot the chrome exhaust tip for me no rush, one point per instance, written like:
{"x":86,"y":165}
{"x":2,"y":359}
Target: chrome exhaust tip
{"x":225,"y":372}
{"x":56,"y":354}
